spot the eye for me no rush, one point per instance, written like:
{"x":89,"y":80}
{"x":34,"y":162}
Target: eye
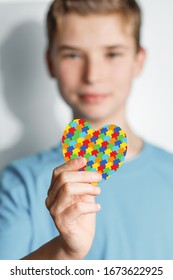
{"x":113,"y":54}
{"x":72,"y":55}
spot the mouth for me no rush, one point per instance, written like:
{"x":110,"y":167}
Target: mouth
{"x":93,"y":98}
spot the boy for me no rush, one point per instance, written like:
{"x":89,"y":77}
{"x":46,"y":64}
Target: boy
{"x":94,"y":53}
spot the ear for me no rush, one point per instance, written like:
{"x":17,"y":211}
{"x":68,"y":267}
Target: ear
{"x":140,"y":60}
{"x":49,"y":63}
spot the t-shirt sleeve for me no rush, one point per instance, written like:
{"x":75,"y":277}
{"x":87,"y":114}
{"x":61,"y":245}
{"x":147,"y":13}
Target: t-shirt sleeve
{"x":15,"y":222}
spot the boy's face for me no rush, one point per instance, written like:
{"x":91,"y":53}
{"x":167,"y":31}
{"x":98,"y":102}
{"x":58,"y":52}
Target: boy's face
{"x":94,"y":60}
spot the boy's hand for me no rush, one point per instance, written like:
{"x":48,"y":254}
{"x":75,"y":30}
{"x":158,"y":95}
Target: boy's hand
{"x":72,"y":206}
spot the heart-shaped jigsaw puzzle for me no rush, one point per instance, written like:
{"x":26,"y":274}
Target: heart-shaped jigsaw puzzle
{"x":104,"y":149}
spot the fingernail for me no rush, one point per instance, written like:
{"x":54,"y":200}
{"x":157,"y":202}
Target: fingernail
{"x":98,"y":207}
{"x":97,"y":190}
{"x":98,"y":176}
{"x":83,"y":160}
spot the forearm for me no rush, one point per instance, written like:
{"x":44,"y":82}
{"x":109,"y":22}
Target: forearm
{"x":52,"y":250}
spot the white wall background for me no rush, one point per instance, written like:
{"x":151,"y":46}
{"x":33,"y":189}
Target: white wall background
{"x":32,"y":115}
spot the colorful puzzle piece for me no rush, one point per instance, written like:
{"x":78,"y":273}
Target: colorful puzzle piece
{"x":104,"y":149}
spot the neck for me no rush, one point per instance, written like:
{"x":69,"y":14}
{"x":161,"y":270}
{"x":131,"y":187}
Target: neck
{"x":135,"y":143}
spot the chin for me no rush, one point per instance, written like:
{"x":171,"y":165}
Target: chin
{"x":92,"y":117}
{"x":94,"y":113}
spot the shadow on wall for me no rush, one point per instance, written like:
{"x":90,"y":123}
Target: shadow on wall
{"x":27,"y":90}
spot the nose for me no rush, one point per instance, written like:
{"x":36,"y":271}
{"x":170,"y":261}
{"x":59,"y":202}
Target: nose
{"x":93,"y":71}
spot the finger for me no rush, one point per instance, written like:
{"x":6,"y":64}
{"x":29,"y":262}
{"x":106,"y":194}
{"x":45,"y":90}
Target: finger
{"x":68,"y":191}
{"x":72,"y":165}
{"x":82,"y":176}
{"x":66,"y":177}
{"x":74,"y":192}
{"x":78,"y":209}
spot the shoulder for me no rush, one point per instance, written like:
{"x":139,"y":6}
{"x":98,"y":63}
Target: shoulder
{"x":160,"y":152}
{"x":30,"y":168}
{"x":160,"y":156}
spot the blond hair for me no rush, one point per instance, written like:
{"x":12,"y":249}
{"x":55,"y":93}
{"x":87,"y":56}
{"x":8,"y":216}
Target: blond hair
{"x":128,"y":9}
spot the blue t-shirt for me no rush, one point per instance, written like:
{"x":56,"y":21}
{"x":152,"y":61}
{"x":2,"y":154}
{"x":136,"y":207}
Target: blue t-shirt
{"x":135,"y":221}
